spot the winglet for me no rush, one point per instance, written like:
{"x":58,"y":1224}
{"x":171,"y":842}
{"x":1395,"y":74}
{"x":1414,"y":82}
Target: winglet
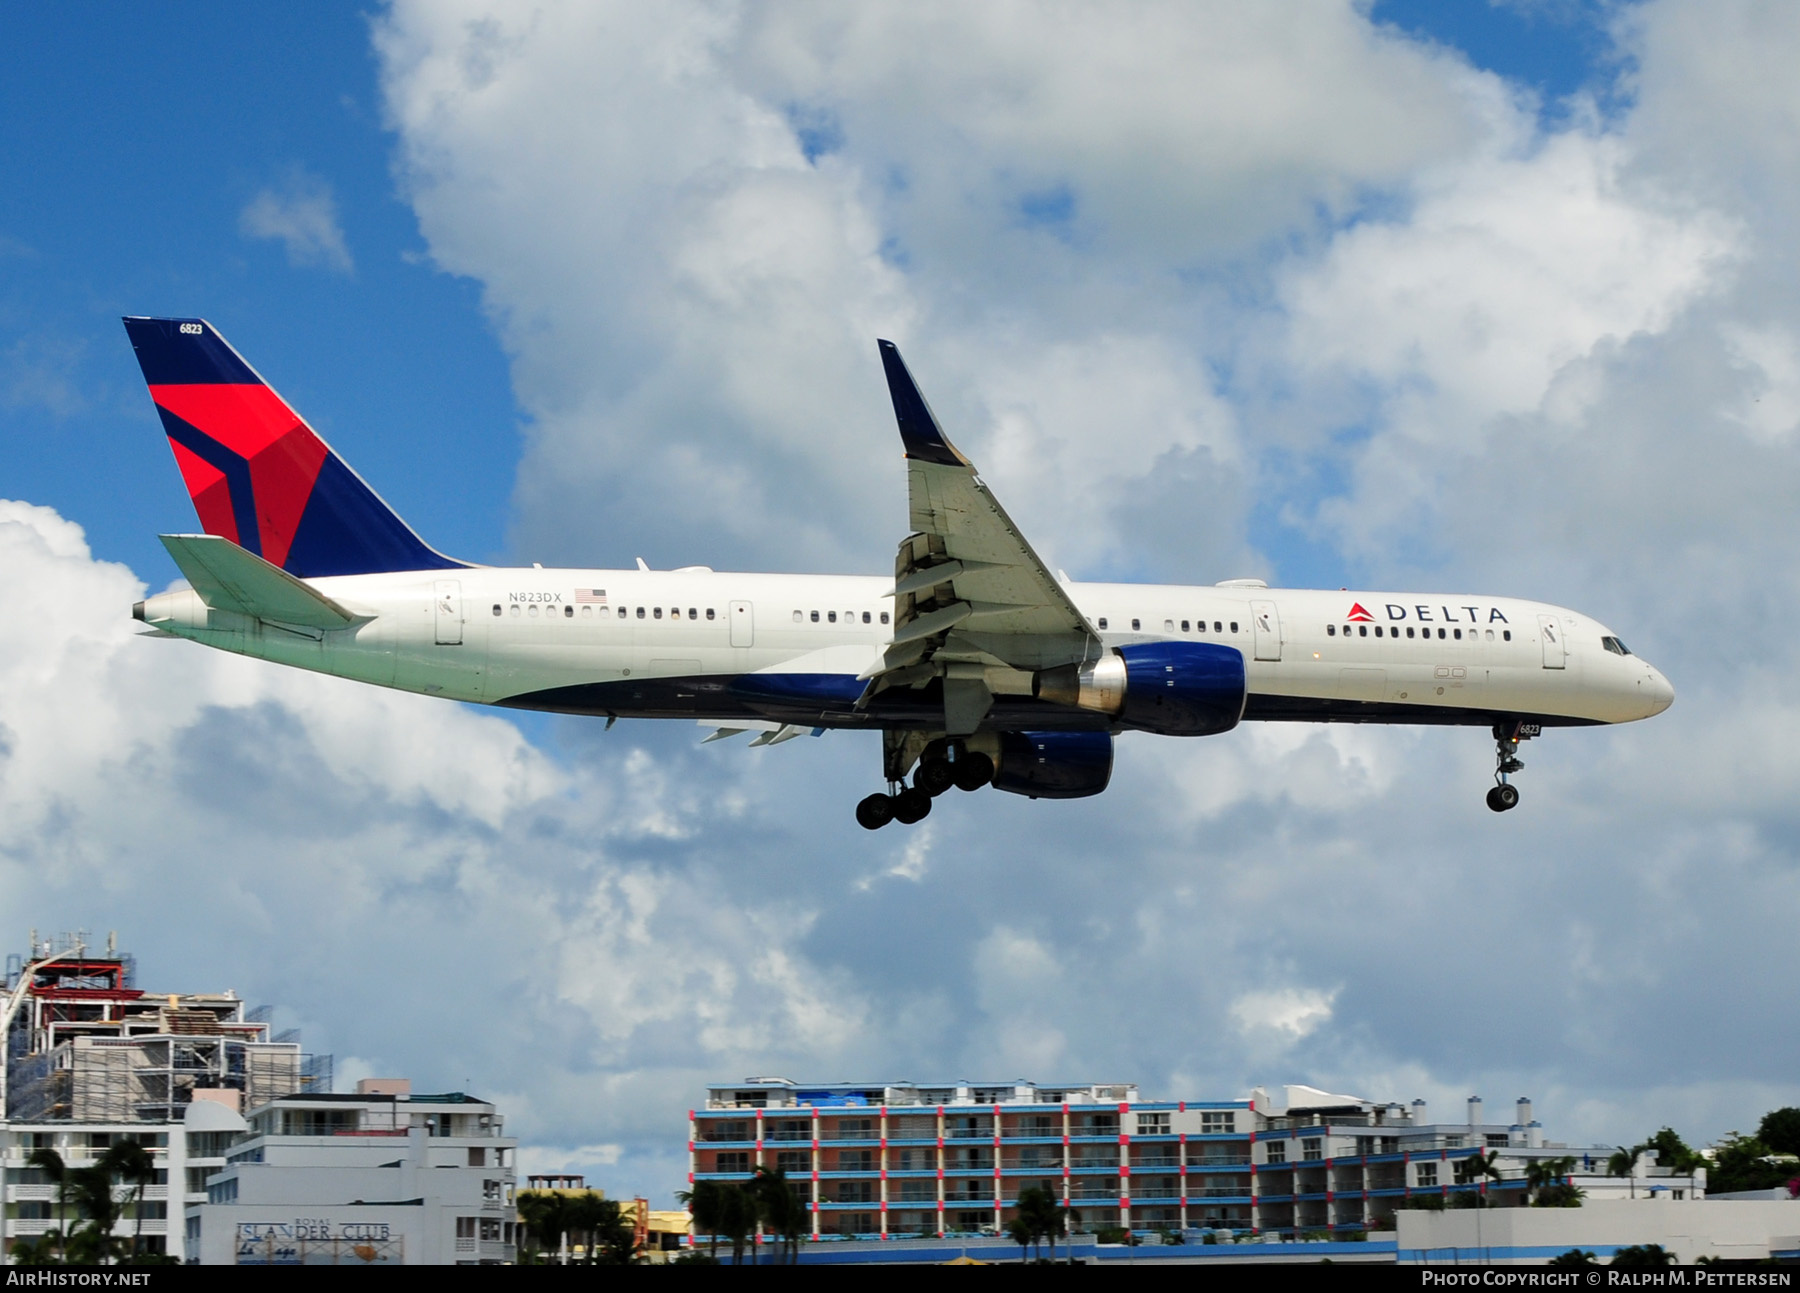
{"x":919,"y":430}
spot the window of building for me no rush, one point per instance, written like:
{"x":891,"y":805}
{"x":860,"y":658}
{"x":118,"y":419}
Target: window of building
{"x":1453,"y":1142}
{"x":477,"y":1156}
{"x":1102,"y":621}
{"x":466,"y":1226}
{"x":1427,"y":1174}
{"x":856,"y":1160}
{"x":1498,"y":1140}
{"x":1277,"y":1151}
{"x":1217,"y":1122}
{"x":1312,"y":1149}
{"x":30,"y":1211}
{"x":1153,"y":1124}
{"x":793,"y":1161}
{"x":733,"y":1161}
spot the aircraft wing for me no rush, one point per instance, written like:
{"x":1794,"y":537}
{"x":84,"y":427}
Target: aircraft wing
{"x":973,"y":603}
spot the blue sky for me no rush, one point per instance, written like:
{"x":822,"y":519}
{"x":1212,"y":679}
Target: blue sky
{"x":1360,"y":296}
{"x":142,"y":140}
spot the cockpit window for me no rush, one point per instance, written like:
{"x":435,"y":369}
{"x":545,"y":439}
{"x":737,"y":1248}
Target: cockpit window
{"x":1615,"y":646}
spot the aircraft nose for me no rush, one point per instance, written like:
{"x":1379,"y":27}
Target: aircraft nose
{"x":1657,"y":691}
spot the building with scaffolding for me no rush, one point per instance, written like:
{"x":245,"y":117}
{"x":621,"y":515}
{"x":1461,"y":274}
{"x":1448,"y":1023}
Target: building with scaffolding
{"x":92,"y":1059}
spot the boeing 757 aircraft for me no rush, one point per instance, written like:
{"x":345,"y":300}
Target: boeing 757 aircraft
{"x":977,"y":664}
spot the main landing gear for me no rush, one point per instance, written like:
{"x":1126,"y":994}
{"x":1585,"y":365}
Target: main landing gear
{"x":943,"y":765}
{"x":1505,"y":796}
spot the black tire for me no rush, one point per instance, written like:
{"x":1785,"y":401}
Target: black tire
{"x":1493,"y":800}
{"x":1507,"y":795}
{"x":934,"y":777}
{"x":973,"y":771}
{"x":875,"y":812}
{"x":911,"y":805}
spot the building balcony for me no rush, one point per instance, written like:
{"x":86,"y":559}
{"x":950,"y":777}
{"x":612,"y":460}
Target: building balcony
{"x":1218,"y":1162}
{"x":1152,"y":1160}
{"x":913,"y":1197}
{"x":1241,"y":1192}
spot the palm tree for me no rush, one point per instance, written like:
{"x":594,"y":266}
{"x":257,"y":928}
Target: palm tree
{"x":702,"y":1203}
{"x":546,"y":1216}
{"x":1484,"y":1168}
{"x":737,"y":1218}
{"x":1623,"y":1161}
{"x":1019,"y":1230}
{"x":50,"y":1163}
{"x":93,"y":1243}
{"x":780,"y":1209}
{"x":130,"y":1161}
{"x":1544,"y":1173}
{"x":1046,"y":1217}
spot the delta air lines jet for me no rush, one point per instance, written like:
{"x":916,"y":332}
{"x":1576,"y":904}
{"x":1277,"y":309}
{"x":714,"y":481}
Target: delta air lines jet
{"x":978,"y":665}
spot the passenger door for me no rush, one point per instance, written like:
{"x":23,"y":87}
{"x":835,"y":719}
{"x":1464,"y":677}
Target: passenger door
{"x":1550,"y":632}
{"x":743,"y":624}
{"x":1265,"y":623}
{"x":449,"y":612}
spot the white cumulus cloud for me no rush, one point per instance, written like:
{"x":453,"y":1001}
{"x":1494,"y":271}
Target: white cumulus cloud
{"x":301,"y":214}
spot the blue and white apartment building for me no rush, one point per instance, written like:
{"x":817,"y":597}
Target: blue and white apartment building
{"x":878,"y":1160}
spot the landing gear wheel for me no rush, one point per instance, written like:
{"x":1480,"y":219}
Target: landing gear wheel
{"x":935,"y":776}
{"x":1503,"y":797}
{"x":973,"y":771}
{"x":911,"y":805}
{"x":875,"y":812}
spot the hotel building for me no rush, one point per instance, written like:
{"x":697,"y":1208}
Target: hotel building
{"x":897,"y":1159}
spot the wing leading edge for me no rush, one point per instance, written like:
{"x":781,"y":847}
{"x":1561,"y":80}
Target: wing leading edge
{"x":974,"y":605}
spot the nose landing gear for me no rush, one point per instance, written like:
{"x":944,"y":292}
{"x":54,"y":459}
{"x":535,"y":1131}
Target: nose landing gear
{"x":1505,"y":796}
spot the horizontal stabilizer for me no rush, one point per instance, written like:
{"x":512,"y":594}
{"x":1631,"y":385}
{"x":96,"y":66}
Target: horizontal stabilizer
{"x":230,"y":579}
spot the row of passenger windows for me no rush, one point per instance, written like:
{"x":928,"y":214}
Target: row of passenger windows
{"x":1362,"y":630}
{"x":831,"y":617}
{"x":587,"y":612}
{"x":1169,"y":626}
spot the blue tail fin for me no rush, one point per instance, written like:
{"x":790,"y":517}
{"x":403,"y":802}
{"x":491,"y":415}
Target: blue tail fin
{"x":257,"y":473}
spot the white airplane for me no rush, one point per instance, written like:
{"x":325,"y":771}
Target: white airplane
{"x":976,"y":663}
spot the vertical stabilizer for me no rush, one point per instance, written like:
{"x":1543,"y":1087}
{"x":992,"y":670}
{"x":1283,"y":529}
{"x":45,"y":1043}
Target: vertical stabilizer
{"x":257,"y":473}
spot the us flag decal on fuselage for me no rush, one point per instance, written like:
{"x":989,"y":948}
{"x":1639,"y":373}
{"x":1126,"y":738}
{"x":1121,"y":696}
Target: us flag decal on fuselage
{"x":594,"y":596}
